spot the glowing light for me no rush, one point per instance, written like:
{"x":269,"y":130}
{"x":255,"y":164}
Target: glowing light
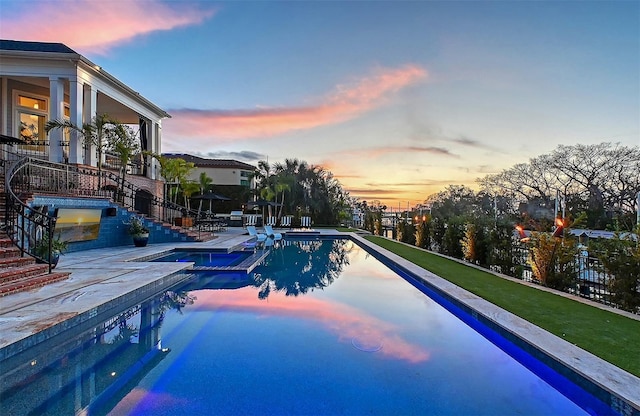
{"x":34,"y":362}
{"x":522,"y":234}
{"x":113,"y":374}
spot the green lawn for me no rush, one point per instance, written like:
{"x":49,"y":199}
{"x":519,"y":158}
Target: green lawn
{"x":611,"y":337}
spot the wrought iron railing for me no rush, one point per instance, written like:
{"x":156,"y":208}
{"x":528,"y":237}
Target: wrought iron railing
{"x":112,"y":161}
{"x":30,"y":229}
{"x":590,"y":281}
{"x":55,"y":178}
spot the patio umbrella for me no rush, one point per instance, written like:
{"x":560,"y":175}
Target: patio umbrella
{"x":210,"y":196}
{"x":259,"y":203}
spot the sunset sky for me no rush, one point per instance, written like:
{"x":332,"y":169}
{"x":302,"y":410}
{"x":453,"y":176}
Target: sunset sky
{"x":397,"y":98}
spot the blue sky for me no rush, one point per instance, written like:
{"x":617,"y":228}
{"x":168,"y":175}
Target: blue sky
{"x":397,"y":98}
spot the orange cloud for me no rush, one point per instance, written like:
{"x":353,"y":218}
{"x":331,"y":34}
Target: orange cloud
{"x":344,"y":103}
{"x":346,"y":322}
{"x":97,"y":26}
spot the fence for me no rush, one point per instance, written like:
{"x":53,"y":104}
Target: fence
{"x":589,"y":280}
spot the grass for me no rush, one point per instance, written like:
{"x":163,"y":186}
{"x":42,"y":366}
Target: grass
{"x":610,"y":336}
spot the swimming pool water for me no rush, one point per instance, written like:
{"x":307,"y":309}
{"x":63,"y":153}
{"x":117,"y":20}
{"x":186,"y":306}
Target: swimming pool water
{"x":321,"y":328}
{"x":206,"y":258}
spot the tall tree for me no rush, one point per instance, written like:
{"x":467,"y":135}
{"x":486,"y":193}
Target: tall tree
{"x":124,"y":142}
{"x":600,"y":180}
{"x":204,"y":182}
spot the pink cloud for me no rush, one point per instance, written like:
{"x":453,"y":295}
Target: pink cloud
{"x":144,"y":401}
{"x":346,"y":322}
{"x":343,"y":103}
{"x":97,"y":26}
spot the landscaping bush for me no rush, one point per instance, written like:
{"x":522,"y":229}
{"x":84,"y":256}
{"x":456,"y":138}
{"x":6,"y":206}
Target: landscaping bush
{"x":553,"y":260}
{"x":503,"y":251}
{"x":423,"y":237}
{"x":620,"y":257}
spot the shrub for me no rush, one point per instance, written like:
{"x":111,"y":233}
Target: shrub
{"x":553,"y":260}
{"x":620,"y":258}
{"x":423,"y":237}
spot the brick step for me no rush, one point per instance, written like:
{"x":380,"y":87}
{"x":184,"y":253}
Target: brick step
{"x":16,"y":262}
{"x":32,"y":282}
{"x":15,"y":273}
{"x":5,"y":242}
{"x":9,"y":252}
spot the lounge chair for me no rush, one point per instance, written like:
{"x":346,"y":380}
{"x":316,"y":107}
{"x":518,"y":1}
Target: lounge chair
{"x":270,"y":233}
{"x":254,"y":233}
{"x":252,"y":220}
{"x":271,"y":221}
{"x":305,"y":222}
{"x":285,"y":222}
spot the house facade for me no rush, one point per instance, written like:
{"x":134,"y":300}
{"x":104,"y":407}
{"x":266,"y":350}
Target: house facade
{"x":221,"y":171}
{"x":50,"y":81}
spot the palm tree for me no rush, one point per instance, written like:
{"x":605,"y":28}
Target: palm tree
{"x":204,"y":183}
{"x":188,"y":189}
{"x":123,"y":142}
{"x":174,"y":171}
{"x":94,"y":133}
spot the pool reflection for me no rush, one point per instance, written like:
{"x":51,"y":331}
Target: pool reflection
{"x":296,"y":267}
{"x":72,"y":373}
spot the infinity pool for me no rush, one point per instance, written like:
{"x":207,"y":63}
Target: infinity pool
{"x":321,"y":328}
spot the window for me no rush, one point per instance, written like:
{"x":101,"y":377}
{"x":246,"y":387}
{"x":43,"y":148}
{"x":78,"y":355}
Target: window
{"x":31,"y":102}
{"x":31,"y":116}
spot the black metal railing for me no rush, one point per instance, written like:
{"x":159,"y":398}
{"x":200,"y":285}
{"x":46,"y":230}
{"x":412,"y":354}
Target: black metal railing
{"x":55,"y":178}
{"x":112,"y":161}
{"x":589,"y":281}
{"x":30,"y":229}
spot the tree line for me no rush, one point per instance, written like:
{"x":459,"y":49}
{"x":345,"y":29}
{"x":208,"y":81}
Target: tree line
{"x":581,"y":186}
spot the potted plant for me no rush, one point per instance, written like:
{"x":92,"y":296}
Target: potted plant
{"x":138,"y":231}
{"x":41,"y":250}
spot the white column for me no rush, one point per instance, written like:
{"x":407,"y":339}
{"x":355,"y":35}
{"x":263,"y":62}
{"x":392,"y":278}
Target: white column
{"x":56,"y":112}
{"x":4,"y":107}
{"x":76,"y":102}
{"x":154,"y":141}
{"x":89,"y":111}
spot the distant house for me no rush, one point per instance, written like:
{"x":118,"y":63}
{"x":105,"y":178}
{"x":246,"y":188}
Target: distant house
{"x":50,"y":81}
{"x":537,"y":209}
{"x":584,"y":235}
{"x":221,"y":171}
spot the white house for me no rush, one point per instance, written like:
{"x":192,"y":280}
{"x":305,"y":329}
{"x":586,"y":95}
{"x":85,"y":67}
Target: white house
{"x":49,"y":81}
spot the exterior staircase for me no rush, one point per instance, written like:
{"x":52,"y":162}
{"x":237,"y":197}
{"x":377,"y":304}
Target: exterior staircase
{"x":19,"y":274}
